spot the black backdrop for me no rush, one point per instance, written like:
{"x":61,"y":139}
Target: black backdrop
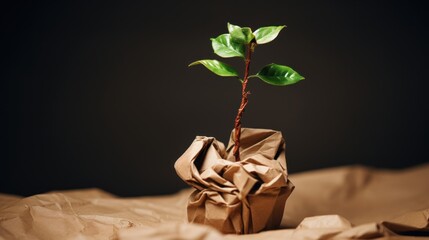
{"x":98,"y":94}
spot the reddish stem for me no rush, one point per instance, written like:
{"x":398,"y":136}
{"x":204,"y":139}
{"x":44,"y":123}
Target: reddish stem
{"x":244,"y":93}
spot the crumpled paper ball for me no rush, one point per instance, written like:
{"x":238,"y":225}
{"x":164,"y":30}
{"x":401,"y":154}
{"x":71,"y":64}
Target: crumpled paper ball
{"x":237,"y":197}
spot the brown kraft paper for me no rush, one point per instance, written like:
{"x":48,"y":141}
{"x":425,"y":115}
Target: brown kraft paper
{"x":237,"y":197}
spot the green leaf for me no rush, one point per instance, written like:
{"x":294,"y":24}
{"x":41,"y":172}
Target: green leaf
{"x":267,"y":34}
{"x":219,"y":68}
{"x":279,"y":75}
{"x":242,"y":35}
{"x":224,"y":47}
{"x":232,"y":27}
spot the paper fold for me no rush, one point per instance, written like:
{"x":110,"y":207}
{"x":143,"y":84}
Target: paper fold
{"x":237,"y":197}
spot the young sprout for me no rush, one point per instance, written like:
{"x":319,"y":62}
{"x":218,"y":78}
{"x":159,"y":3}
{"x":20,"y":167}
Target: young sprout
{"x":241,"y":42}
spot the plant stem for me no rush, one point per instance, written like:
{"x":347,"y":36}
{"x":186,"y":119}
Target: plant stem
{"x":244,"y":93}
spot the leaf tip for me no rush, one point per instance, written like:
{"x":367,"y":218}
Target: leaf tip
{"x":299,"y":78}
{"x":193,"y":63}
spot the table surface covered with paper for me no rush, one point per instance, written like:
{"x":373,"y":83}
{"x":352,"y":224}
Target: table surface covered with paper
{"x":333,"y":203}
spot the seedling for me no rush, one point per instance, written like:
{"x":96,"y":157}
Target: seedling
{"x":241,"y":42}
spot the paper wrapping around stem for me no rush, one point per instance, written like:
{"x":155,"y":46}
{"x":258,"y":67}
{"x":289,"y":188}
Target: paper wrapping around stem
{"x":237,"y":197}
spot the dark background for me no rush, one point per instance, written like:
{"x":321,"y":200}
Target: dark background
{"x":98,"y":94}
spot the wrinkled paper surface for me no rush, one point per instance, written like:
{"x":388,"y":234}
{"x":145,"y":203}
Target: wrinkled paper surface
{"x":237,"y":197}
{"x":349,"y":202}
